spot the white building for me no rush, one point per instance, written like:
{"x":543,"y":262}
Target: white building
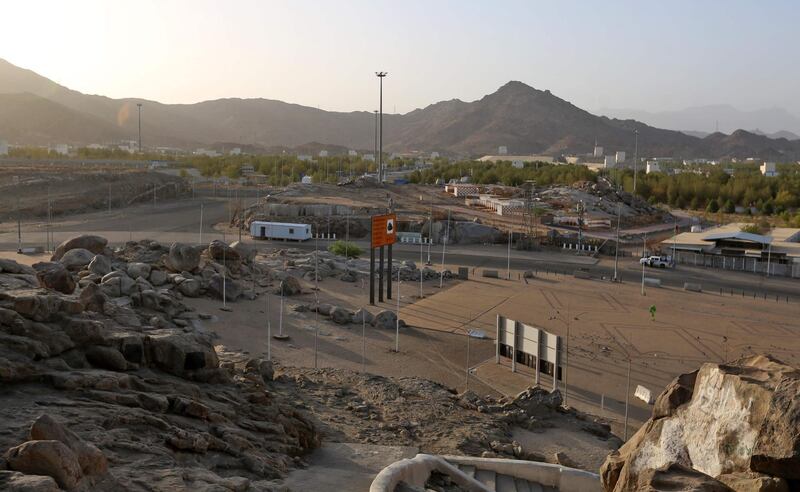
{"x":369,"y":157}
{"x":598,"y":151}
{"x":306,"y":180}
{"x":235,"y":151}
{"x":434,"y":155}
{"x":352,"y":153}
{"x":513,"y":158}
{"x":768,"y":169}
{"x":653,"y":167}
{"x":247,"y":170}
{"x":207,"y":152}
{"x":502,"y":150}
{"x":3,"y":147}
{"x":323,"y":153}
{"x":610,"y":162}
{"x":620,"y":156}
{"x":61,"y":149}
{"x":304,"y":158}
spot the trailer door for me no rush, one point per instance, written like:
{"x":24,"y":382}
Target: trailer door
{"x":263,"y":232}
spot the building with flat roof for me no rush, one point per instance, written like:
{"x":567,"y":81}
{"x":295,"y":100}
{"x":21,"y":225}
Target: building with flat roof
{"x":517,"y":158}
{"x":729,"y":247}
{"x":768,"y":169}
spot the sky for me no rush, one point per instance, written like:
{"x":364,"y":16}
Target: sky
{"x":645,"y":55}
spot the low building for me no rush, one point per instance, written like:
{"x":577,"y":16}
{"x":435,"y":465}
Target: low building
{"x":61,"y":149}
{"x":515,"y":158}
{"x":502,"y":150}
{"x":434,"y":155}
{"x":729,"y":247}
{"x":3,"y":147}
{"x":768,"y":169}
{"x":652,"y":167}
{"x":247,"y":169}
{"x":369,"y":157}
{"x":323,"y":153}
{"x":598,"y":151}
{"x":352,"y":153}
{"x":609,"y":162}
{"x":207,"y":152}
{"x":620,"y":156}
{"x":304,"y":158}
{"x":235,"y":151}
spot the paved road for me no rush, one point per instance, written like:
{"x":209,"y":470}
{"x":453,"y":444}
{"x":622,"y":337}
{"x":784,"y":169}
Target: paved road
{"x":180,"y":221}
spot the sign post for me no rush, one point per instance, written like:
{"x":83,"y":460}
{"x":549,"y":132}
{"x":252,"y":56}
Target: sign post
{"x":383,"y":233}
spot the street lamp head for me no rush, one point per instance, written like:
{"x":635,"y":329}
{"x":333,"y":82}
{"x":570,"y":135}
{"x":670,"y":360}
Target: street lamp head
{"x":381,"y":74}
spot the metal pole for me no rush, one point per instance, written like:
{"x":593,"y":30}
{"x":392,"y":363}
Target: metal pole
{"x":380,"y":274}
{"x":364,"y":340}
{"x":508,"y":257}
{"x":466,"y":380}
{"x":444,"y":247}
{"x":154,"y":195}
{"x":769,"y":255}
{"x":201,"y":222}
{"x":397,"y":321}
{"x":627,"y":393}
{"x":316,"y":300}
{"x":19,"y":229}
{"x":616,"y":250}
{"x":566,"y":360}
{"x":419,"y":268}
{"x":430,"y":236}
{"x":139,"y":106}
{"x":269,"y":330}
{"x":644,"y":252}
{"x":375,"y":157}
{"x":635,"y":157}
{"x":280,"y":321}
{"x":109,"y":198}
{"x":381,"y":176}
{"x":224,"y":275}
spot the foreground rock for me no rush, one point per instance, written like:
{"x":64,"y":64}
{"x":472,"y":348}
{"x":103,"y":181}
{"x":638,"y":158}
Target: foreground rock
{"x":94,"y":244}
{"x":736,"y":424}
{"x":182,"y":257}
{"x":53,"y":275}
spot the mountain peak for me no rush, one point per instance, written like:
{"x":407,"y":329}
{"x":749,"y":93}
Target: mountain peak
{"x":515,"y":86}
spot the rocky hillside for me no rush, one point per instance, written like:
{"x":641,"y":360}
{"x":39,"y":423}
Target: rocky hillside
{"x":525,"y":119}
{"x":724,"y":427}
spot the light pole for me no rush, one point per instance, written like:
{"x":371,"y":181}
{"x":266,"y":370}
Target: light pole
{"x":616,"y":250}
{"x":644,"y":252}
{"x":444,"y":248}
{"x":627,"y":393}
{"x":381,"y":75}
{"x":397,"y":321}
{"x":508,"y":257}
{"x":566,"y":322}
{"x":139,"y":107}
{"x":375,"y":155}
{"x":635,"y":157}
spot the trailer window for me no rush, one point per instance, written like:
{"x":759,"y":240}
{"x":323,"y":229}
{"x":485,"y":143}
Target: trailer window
{"x":291,"y":231}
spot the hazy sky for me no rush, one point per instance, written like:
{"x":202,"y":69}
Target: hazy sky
{"x":633,"y":54}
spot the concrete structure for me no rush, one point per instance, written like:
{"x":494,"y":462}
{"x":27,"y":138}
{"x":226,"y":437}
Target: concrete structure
{"x":352,"y":153}
{"x":517,"y":164}
{"x":502,"y":150}
{"x":529,"y":346}
{"x":369,"y":157}
{"x":728,"y":247}
{"x":323,"y":153}
{"x":609,"y":162}
{"x":3,"y":147}
{"x":279,"y":230}
{"x":620,"y":156}
{"x":462,"y":190}
{"x":501,"y":206}
{"x":653,"y":167}
{"x":61,"y":149}
{"x":520,"y":158}
{"x":304,"y":158}
{"x":247,"y":169}
{"x":598,"y":151}
{"x":768,"y":169}
{"x":235,"y":151}
{"x":434,"y":155}
{"x":306,"y":180}
{"x":485,"y":475}
{"x":207,"y":152}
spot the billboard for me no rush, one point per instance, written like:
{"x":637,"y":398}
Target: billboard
{"x":384,"y":230}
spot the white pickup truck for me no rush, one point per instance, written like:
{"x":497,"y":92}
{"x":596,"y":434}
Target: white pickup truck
{"x":656,"y":261}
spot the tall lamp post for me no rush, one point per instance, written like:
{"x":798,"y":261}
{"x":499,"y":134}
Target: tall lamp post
{"x":381,"y":75}
{"x":375,"y":155}
{"x":635,"y":157}
{"x":139,"y":107}
{"x":567,"y":322}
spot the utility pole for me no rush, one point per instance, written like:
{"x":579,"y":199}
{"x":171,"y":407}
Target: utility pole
{"x":627,"y":396}
{"x":616,"y":250}
{"x":139,"y":107}
{"x":375,"y":155}
{"x":508,"y":257}
{"x":644,"y":252}
{"x":381,"y":176}
{"x":201,"y":223}
{"x":444,"y":247}
{"x":635,"y":157}
{"x":397,"y":323}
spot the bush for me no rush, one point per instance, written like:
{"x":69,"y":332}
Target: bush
{"x":344,"y":248}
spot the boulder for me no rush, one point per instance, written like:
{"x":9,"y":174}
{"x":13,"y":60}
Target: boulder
{"x":106,"y":358}
{"x":363,"y":316}
{"x":11,"y":266}
{"x":725,"y":419}
{"x":91,"y":459}
{"x":221,"y":252}
{"x":348,"y":276}
{"x":385,"y":319}
{"x":18,"y":482}
{"x":181,"y":353}
{"x":191,"y":288}
{"x":289,"y":286}
{"x":136,"y":270}
{"x":54,"y":275}
{"x":754,"y":482}
{"x":77,"y":259}
{"x":263,"y":367}
{"x":341,"y":316}
{"x":93,"y":298}
{"x":100,"y":265}
{"x":40,"y":306}
{"x":94,"y":244}
{"x":117,"y":286}
{"x":158,"y":277}
{"x":409,"y":265}
{"x":182,"y":257}
{"x":217,"y":285}
{"x":46,"y":457}
{"x":245,"y":251}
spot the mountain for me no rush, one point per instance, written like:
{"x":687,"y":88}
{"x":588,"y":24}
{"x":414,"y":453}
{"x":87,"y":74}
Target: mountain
{"x":36,"y":110}
{"x":719,"y":117}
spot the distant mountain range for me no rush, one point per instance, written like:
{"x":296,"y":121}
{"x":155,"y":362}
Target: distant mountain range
{"x":36,"y":110}
{"x":704,"y":120}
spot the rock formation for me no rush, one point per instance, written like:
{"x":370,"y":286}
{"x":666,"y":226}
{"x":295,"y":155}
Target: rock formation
{"x":725,"y":426}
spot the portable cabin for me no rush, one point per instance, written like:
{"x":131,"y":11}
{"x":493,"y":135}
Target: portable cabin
{"x":280,"y":230}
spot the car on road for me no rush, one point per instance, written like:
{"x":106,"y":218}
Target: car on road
{"x":656,"y":261}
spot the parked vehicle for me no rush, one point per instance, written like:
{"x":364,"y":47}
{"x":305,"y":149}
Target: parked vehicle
{"x":656,"y":261}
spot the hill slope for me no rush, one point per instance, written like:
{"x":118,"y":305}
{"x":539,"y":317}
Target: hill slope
{"x":524,"y":119}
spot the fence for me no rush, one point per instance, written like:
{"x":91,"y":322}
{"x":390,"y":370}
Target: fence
{"x":739,"y":263}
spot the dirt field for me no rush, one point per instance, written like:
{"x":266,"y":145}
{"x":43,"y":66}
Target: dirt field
{"x":77,"y":188}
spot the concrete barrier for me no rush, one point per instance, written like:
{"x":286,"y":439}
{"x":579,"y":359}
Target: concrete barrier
{"x":693,"y":287}
{"x":582,"y":274}
{"x":652,"y":282}
{"x":491,"y":274}
{"x":463,"y":273}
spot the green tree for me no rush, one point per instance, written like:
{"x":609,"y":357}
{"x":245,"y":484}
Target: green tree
{"x":729,"y":207}
{"x":713,"y":206}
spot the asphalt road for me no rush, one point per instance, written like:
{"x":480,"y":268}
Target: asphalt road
{"x":180,"y":221}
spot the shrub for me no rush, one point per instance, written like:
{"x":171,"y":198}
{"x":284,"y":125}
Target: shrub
{"x":344,"y":248}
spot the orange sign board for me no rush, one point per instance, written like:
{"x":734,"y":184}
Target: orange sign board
{"x":384,"y":230}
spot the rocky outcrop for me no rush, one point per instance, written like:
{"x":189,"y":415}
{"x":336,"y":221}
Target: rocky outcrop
{"x":182,"y":258}
{"x":736,"y":423}
{"x":289,"y":286}
{"x":76,"y":259}
{"x":94,"y":244}
{"x":54,"y":275}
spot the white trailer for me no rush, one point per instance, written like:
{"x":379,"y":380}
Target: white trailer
{"x":279,"y":230}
